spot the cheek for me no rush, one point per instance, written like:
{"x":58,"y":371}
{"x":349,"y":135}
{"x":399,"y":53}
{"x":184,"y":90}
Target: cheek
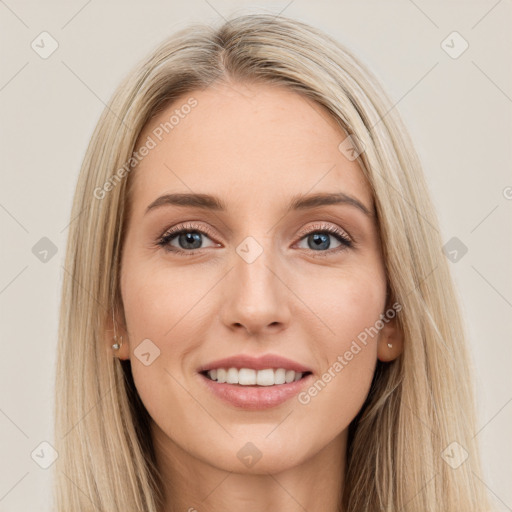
{"x":348,"y":303}
{"x":156,"y":320}
{"x":348,"y":348}
{"x":162,"y":311}
{"x":157,"y":302}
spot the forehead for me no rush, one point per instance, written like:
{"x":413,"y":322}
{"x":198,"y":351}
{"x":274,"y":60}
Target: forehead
{"x":251,"y":144}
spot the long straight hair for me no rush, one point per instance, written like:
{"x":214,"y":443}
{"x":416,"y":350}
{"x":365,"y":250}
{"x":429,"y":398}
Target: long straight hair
{"x":418,"y":405}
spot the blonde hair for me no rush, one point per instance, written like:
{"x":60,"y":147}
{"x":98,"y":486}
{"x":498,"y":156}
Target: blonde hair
{"x":417,"y":406}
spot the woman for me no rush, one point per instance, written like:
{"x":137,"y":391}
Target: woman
{"x":256,"y":310}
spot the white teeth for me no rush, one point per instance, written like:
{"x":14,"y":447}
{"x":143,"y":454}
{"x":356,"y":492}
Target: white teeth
{"x":232,"y":376}
{"x":250,"y":377}
{"x":247,"y":377}
{"x":280,"y":376}
{"x":265,"y":377}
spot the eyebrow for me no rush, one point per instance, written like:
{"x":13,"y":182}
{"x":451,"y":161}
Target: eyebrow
{"x":298,"y":202}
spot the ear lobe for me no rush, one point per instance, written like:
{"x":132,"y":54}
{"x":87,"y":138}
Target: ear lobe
{"x":391,"y":342}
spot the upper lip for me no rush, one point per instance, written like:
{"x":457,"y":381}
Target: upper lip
{"x":256,"y":363}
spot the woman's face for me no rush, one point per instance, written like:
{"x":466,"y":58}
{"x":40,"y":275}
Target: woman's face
{"x":258,"y":277}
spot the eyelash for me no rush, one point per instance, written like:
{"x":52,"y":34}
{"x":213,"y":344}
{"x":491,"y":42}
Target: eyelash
{"x":164,"y":240}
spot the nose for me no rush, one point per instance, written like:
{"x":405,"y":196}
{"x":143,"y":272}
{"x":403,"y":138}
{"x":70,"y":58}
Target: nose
{"x":257,"y":300}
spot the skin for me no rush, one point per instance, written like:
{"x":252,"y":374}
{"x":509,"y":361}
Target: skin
{"x":254,"y":146}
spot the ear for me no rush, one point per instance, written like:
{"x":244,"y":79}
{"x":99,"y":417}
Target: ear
{"x":122,"y":336}
{"x":391,"y":339}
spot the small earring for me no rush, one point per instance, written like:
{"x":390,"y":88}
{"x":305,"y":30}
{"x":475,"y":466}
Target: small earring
{"x":117,"y":346}
{"x":390,"y":345}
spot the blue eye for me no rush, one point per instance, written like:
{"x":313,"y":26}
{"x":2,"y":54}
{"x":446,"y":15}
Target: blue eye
{"x":189,"y":238}
{"x":319,"y":240}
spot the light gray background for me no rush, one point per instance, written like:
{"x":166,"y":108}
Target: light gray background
{"x":458,"y":112}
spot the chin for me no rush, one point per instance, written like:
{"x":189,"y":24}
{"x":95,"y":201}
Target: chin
{"x":256,"y":455}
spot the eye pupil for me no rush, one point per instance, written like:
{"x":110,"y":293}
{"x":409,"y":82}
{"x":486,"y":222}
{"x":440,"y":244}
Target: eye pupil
{"x":189,"y":238}
{"x":319,"y":239}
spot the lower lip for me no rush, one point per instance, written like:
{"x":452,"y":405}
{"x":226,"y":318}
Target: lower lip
{"x":256,"y":397}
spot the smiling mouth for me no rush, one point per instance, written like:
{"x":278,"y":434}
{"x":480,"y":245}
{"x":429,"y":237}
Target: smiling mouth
{"x":248,"y":377}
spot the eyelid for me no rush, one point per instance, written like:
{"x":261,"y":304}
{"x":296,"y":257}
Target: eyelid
{"x":186,"y":226}
{"x":322,"y":226}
